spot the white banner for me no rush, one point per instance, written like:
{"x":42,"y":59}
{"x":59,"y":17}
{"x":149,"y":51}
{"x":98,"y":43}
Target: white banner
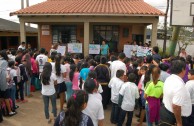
{"x":61,"y":49}
{"x":74,"y":47}
{"x":128,"y":50}
{"x":94,"y":49}
{"x":142,"y":51}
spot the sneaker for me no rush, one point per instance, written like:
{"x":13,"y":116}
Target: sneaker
{"x":12,"y":113}
{"x":18,"y":100}
{"x":16,"y":106}
{"x":24,"y":101}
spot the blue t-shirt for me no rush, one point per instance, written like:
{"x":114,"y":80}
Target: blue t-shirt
{"x":104,"y":49}
{"x":84,"y":73}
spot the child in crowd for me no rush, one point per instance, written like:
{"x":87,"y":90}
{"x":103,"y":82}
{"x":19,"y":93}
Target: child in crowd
{"x":153,"y":94}
{"x":93,"y":75}
{"x":48,"y":80}
{"x":127,"y":96}
{"x":12,"y":82}
{"x":74,"y":77}
{"x":94,"y":108}
{"x":190,"y":87}
{"x":24,"y":78}
{"x":60,"y":71}
{"x":115,"y":84}
{"x":142,"y":72}
{"x":73,"y":116}
{"x":69,"y":92}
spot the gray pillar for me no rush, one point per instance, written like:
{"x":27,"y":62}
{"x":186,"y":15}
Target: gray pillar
{"x":154,"y":34}
{"x":86,"y":38}
{"x":22,"y":31}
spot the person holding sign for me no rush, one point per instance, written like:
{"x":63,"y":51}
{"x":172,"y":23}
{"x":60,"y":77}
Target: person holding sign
{"x":104,"y":49}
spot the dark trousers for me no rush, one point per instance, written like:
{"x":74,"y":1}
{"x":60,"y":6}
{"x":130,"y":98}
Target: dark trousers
{"x":122,"y":117}
{"x":167,"y":118}
{"x":105,"y":96}
{"x":1,"y":116}
{"x":115,"y":113}
{"x":191,"y":118}
{"x":20,"y":90}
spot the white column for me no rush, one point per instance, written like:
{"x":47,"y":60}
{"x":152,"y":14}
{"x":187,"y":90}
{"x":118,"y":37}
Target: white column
{"x":86,"y":38}
{"x":39,"y":31}
{"x":145,"y":33}
{"x":22,"y":31}
{"x":154,"y":33}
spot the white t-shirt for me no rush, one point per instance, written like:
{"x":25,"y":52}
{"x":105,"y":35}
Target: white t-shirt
{"x":116,"y":65}
{"x":176,"y":93}
{"x":115,"y":85}
{"x":49,"y":89}
{"x":60,"y":79}
{"x":21,"y":47}
{"x":12,"y":73}
{"x":190,"y":87}
{"x":94,"y":109}
{"x":130,"y":92}
{"x":41,"y":59}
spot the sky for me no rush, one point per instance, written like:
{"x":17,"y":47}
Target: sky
{"x":7,"y":6}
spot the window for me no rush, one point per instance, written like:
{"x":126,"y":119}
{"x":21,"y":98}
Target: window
{"x":125,"y":32}
{"x":64,"y":33}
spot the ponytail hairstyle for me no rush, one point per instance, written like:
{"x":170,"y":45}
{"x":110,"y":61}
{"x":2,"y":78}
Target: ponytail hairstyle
{"x":155,"y":74}
{"x":90,"y":85}
{"x":148,"y":74}
{"x":72,"y":71}
{"x":46,"y":73}
{"x":75,"y":105}
{"x":58,"y":65}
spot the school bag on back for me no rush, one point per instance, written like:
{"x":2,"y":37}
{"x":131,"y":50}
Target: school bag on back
{"x":18,"y":73}
{"x":9,"y":79}
{"x":3,"y":72}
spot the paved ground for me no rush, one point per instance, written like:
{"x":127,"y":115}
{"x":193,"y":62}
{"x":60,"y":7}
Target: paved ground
{"x":32,"y":114}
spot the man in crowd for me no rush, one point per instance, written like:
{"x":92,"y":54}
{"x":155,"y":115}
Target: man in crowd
{"x":177,"y":102}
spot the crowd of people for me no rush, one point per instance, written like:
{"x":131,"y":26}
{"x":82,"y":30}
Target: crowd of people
{"x":163,"y":88}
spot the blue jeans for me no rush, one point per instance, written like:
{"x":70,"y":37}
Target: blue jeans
{"x":13,"y":94}
{"x":46,"y":105}
{"x":147,"y":116}
{"x":115,"y":113}
{"x":27,"y":87}
{"x":69,"y":91}
{"x":122,"y":117}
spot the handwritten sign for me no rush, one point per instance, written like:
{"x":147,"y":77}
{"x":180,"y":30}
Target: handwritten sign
{"x":128,"y":50}
{"x":61,"y":49}
{"x":142,"y":51}
{"x":94,"y":49}
{"x":74,"y":47}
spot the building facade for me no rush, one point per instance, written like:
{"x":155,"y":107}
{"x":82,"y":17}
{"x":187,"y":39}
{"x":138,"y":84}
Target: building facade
{"x":116,"y":21}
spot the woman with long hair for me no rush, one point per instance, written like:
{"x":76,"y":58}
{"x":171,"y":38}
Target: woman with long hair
{"x":73,"y":116}
{"x":48,"y":80}
{"x":60,"y":72}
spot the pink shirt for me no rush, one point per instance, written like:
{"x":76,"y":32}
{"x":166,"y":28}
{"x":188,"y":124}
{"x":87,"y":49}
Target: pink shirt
{"x":34,"y":65}
{"x":67,"y":66}
{"x":75,"y":81}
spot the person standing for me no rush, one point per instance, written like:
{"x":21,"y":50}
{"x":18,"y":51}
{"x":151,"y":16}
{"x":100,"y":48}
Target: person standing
{"x":183,"y":53}
{"x":190,"y":86}
{"x":177,"y":102}
{"x":22,"y":46}
{"x":118,"y":64}
{"x":103,"y":78}
{"x":104,"y":49}
{"x":48,"y":80}
{"x":41,"y":59}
